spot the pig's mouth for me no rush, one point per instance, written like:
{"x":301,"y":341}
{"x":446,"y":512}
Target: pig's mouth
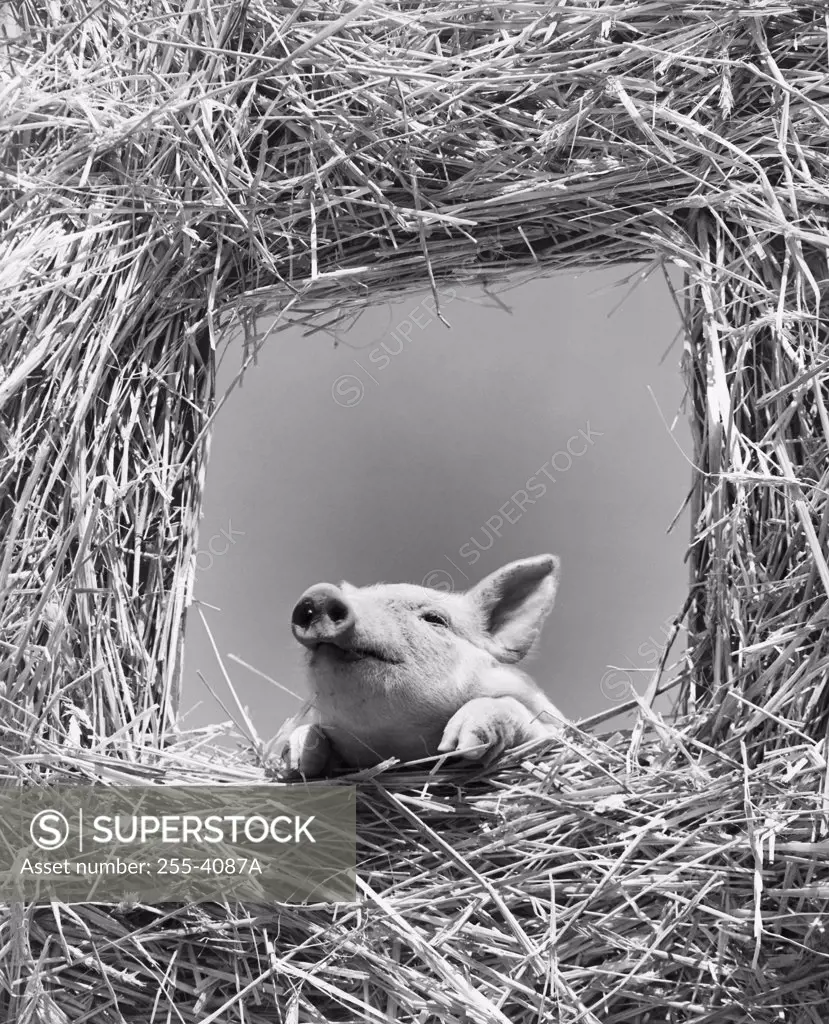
{"x":326,"y":648}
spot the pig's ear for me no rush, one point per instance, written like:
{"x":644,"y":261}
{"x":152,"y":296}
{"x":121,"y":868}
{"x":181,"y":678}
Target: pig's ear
{"x":513,"y":603}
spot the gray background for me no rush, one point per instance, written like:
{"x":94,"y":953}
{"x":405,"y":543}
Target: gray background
{"x":351,"y":462}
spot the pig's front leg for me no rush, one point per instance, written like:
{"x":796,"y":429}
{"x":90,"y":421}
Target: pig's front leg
{"x":308,"y":752}
{"x":486,"y":726}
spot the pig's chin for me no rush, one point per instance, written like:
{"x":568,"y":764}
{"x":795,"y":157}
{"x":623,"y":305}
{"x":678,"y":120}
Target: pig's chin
{"x":346,"y":655}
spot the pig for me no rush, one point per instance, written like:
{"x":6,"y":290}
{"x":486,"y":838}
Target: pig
{"x":404,"y":671}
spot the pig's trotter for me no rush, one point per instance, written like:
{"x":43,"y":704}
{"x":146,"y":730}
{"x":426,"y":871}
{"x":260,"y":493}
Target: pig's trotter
{"x":486,"y":726}
{"x":307,"y":752}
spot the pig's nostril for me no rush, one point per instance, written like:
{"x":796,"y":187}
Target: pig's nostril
{"x":304,"y":613}
{"x":336,"y":610}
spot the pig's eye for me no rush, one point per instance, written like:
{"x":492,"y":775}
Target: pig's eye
{"x":435,"y":618}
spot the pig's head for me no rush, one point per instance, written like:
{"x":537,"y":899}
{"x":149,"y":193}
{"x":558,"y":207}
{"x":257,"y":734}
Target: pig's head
{"x":400,"y":650}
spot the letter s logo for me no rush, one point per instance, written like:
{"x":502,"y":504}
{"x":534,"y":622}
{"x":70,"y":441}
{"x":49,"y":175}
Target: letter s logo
{"x":347,"y":390}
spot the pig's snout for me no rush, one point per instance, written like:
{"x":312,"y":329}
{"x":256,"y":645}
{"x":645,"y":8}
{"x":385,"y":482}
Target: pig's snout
{"x":322,"y":615}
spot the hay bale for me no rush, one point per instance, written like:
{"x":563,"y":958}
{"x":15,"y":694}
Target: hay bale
{"x":171,"y":170}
